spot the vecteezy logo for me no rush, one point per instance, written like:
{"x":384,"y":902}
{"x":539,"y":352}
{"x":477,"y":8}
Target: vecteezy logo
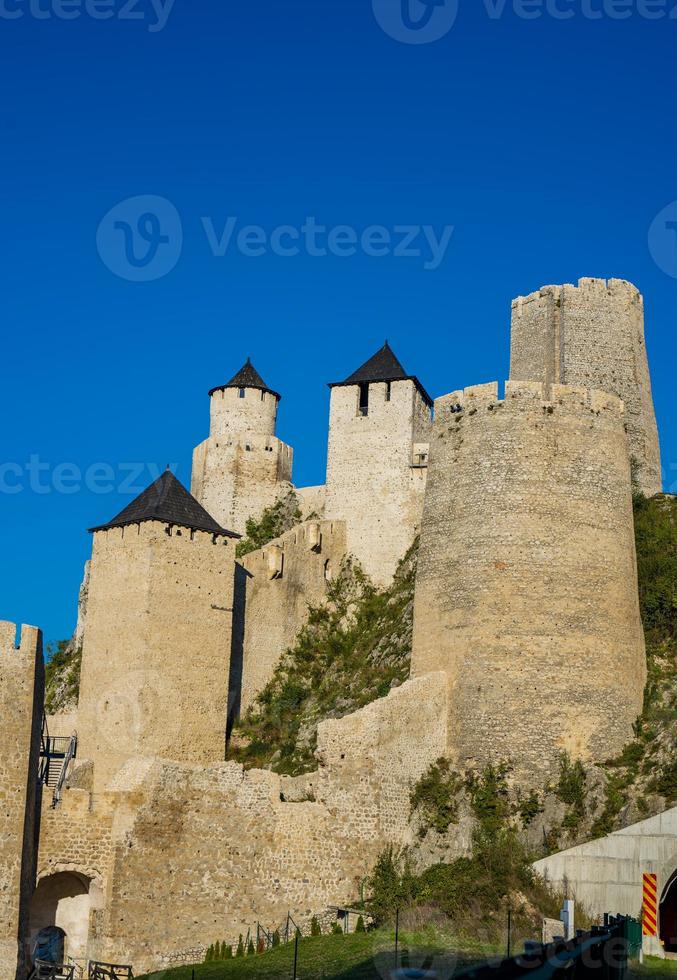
{"x":140,"y":239}
{"x":663,"y":240}
{"x":416,"y":21}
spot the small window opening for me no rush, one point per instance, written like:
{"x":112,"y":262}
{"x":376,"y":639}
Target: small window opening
{"x":263,"y":396}
{"x":240,"y":393}
{"x":364,"y":399}
{"x":388,"y":390}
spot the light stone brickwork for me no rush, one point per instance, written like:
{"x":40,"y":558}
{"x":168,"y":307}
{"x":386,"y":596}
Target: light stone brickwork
{"x":21,"y":698}
{"x":526,"y":592}
{"x":208,"y":852}
{"x":283,"y":580}
{"x":242,"y":468}
{"x":374,"y":481}
{"x":592,"y":335}
{"x":156,"y":651}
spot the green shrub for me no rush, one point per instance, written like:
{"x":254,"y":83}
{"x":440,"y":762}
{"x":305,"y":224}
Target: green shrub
{"x":315,"y":929}
{"x":435,"y":798}
{"x":226,"y":951}
{"x":336,"y":929}
{"x":352,"y":650}
{"x":251,"y":951}
{"x":273,"y":522}
{"x":360,"y":927}
{"x":276,"y":939}
{"x":240,"y":947}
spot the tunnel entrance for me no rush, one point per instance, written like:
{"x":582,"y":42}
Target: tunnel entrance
{"x":59,"y":917}
{"x":668,"y":916}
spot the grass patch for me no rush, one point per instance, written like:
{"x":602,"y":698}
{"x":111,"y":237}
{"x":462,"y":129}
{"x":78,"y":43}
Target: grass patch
{"x":359,"y":956}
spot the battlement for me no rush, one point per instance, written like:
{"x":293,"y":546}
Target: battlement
{"x":586,"y":288}
{"x":30,"y":642}
{"x":312,"y":536}
{"x":524,"y":395}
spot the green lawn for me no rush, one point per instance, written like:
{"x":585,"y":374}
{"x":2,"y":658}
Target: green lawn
{"x":654,"y":969}
{"x":361,"y":956}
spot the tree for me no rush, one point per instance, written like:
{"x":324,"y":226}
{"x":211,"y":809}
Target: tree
{"x":240,"y":947}
{"x":315,"y":929}
{"x":250,"y":948}
{"x":360,"y":927}
{"x":276,"y":939}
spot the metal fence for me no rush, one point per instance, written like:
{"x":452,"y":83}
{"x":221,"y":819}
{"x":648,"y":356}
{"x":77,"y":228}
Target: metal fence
{"x":601,"y":954}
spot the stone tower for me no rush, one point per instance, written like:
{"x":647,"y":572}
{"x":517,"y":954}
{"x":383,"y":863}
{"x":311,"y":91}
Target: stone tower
{"x":157,"y":639}
{"x":592,"y":335}
{"x":526,"y":593}
{"x":242,"y":468}
{"x":21,"y":700}
{"x":379,"y":430}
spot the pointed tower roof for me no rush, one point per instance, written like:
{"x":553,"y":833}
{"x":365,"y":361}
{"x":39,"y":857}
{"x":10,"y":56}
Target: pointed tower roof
{"x":167,"y":500}
{"x":247,"y":377}
{"x":382,"y":366}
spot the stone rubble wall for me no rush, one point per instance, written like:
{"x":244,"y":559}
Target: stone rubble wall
{"x":219,"y":849}
{"x":21,"y":699}
{"x":526,"y":592}
{"x":592,"y":335}
{"x":283,"y":579}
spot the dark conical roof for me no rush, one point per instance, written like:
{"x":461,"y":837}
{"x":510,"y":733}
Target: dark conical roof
{"x":247,"y":377}
{"x":167,"y":500}
{"x":382,"y":366}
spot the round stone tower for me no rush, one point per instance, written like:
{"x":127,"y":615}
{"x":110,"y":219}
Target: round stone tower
{"x":526,"y":592}
{"x":242,"y":468}
{"x":592,"y":335}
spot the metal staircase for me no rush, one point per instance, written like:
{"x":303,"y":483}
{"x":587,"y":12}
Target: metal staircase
{"x":56,"y":755}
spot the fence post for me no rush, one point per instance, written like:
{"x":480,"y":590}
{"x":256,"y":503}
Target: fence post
{"x":397,"y":936}
{"x":509,"y":931}
{"x":296,"y":953}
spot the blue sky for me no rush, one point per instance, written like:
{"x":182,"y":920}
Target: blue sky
{"x":548,"y":144}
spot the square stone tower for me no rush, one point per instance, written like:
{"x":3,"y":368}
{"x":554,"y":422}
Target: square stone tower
{"x":379,"y":430}
{"x":592,"y":335}
{"x":157,"y":639}
{"x":21,"y":701}
{"x":242,"y":467}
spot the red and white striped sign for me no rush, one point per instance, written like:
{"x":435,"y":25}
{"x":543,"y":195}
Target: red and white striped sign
{"x":650,"y":905}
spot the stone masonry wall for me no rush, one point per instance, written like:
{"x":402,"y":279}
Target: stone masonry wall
{"x":592,"y":335}
{"x":283,"y":580}
{"x":526,"y":593}
{"x":218,"y":849}
{"x":21,"y":699}
{"x":242,"y":468}
{"x":156,"y":650}
{"x":372,"y":482}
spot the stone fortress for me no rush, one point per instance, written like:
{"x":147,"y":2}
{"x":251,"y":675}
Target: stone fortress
{"x":526,"y":579}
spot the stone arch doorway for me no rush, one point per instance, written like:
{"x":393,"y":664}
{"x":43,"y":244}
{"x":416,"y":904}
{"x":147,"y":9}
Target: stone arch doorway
{"x":62,"y":902}
{"x":667,"y":916}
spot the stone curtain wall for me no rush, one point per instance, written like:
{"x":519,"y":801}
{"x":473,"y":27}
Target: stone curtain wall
{"x":526,"y":593}
{"x":156,"y":651}
{"x":283,"y":580}
{"x":592,"y":335}
{"x":371,"y":482}
{"x":242,"y":468}
{"x":218,"y":849}
{"x":21,"y":698}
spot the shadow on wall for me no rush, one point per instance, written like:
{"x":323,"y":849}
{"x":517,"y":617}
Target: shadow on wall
{"x":237,"y":646}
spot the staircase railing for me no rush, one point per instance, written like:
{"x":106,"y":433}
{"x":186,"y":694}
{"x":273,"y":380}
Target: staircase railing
{"x":68,"y":757}
{"x":42,"y":970}
{"x":109,"y":971}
